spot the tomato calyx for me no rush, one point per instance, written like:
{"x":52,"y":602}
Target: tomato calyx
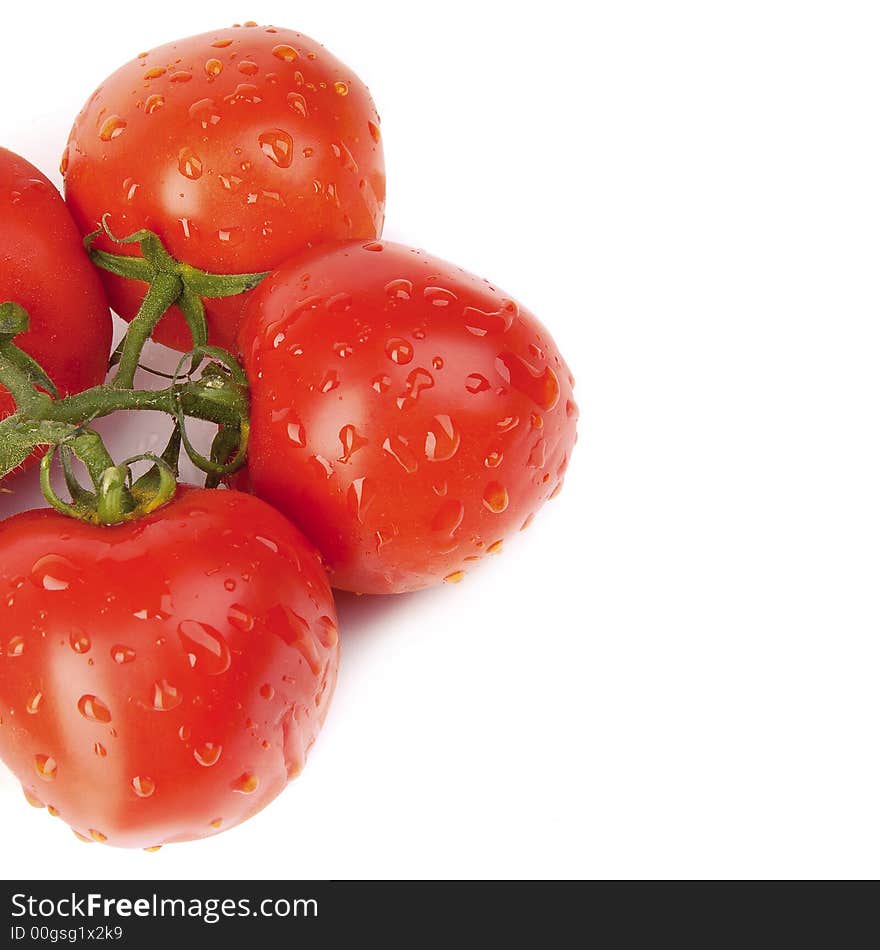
{"x":212,"y":387}
{"x":171,"y":282}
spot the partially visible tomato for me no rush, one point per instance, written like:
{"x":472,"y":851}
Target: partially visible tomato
{"x":239,"y":148}
{"x":407,"y":415}
{"x":162,"y":680}
{"x":44,"y":268}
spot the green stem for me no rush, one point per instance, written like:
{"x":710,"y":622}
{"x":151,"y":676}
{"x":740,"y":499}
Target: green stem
{"x":17,"y":381}
{"x":163,"y":292}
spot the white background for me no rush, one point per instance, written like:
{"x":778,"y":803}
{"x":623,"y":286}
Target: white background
{"x":675,"y":671}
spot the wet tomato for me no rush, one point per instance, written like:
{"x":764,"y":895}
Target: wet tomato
{"x":238,"y":148}
{"x":162,"y":680}
{"x":44,"y":268}
{"x":406,"y":414}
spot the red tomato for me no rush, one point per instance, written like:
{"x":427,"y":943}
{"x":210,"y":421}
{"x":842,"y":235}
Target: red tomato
{"x":406,"y":414}
{"x":44,"y":268}
{"x":162,"y":680}
{"x":239,"y":148}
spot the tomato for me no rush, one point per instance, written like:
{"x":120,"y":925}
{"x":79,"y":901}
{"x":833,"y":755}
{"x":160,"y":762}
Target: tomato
{"x":406,"y":414}
{"x":162,"y":680}
{"x":44,"y":268}
{"x":239,"y":148}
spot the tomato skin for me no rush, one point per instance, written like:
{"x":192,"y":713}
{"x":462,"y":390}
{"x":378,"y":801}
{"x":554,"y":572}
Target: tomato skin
{"x":239,"y":148}
{"x":44,"y":268}
{"x":162,"y":680}
{"x":405,"y":414}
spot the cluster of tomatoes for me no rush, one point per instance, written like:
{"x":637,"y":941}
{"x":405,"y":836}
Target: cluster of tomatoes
{"x":163,"y":678}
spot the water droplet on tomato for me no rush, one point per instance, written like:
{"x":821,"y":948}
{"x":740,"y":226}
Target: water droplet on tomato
{"x":399,"y":351}
{"x":267,"y":691}
{"x":360,"y":496}
{"x":91,"y":708}
{"x":381,"y":383}
{"x":296,"y":433}
{"x":206,"y":648}
{"x":244,"y":92}
{"x":239,"y":618}
{"x":495,"y":497}
{"x":79,"y":641}
{"x":437,"y":362}
{"x":476,"y":383}
{"x":341,"y":88}
{"x":495,"y":547}
{"x":494,"y":457}
{"x":248,"y":67}
{"x":246,"y":783}
{"x":180,"y":76}
{"x":507,"y":423}
{"x":207,"y":753}
{"x":53,"y":572}
{"x":542,"y":387}
{"x":96,"y":835}
{"x":33,"y":704}
{"x":213,"y":67}
{"x":277,"y":146}
{"x":284,"y":52}
{"x":398,"y":448}
{"x":122,"y":654}
{"x":99,"y":750}
{"x":15,"y":647}
{"x":221,"y":44}
{"x":205,"y":112}
{"x":351,"y":441}
{"x":400,"y":289}
{"x":442,"y":440}
{"x":374,"y":246}
{"x":328,"y":632}
{"x":46,"y":767}
{"x":374,"y":131}
{"x":456,"y":577}
{"x":439,"y":296}
{"x":165,"y":696}
{"x":154,"y":72}
{"x":448,"y":518}
{"x":143,"y":786}
{"x":297,"y":102}
{"x":189,"y":164}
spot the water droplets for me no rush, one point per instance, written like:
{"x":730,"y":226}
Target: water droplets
{"x":495,"y":498}
{"x":231,"y":237}
{"x":122,"y":654}
{"x":240,"y":618}
{"x":375,"y":134}
{"x":456,"y":577}
{"x":476,"y":383}
{"x":359,"y":497}
{"x":448,"y":517}
{"x":399,"y":351}
{"x":285,"y":53}
{"x":297,"y":434}
{"x":153,"y":104}
{"x":439,"y":296}
{"x":206,"y":648}
{"x":398,"y":448}
{"x":328,"y":632}
{"x":538,"y":454}
{"x":297,"y":102}
{"x":189,"y":164}
{"x":213,"y":67}
{"x":246,"y":784}
{"x":205,"y":112}
{"x":442,"y":440}
{"x":400,"y":289}
{"x":381,"y":383}
{"x":221,"y":44}
{"x":181,"y":76}
{"x":165,"y":696}
{"x":15,"y":647}
{"x":542,"y":387}
{"x":245,"y":92}
{"x":267,"y":691}
{"x":46,"y":767}
{"x":154,"y":72}
{"x":32,"y":706}
{"x":207,"y":753}
{"x":91,"y":708}
{"x":79,"y":641}
{"x":53,"y":572}
{"x":480,"y":323}
{"x":248,"y":67}
{"x":341,"y":88}
{"x":277,"y":146}
{"x":351,"y":441}
{"x":143,"y":786}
